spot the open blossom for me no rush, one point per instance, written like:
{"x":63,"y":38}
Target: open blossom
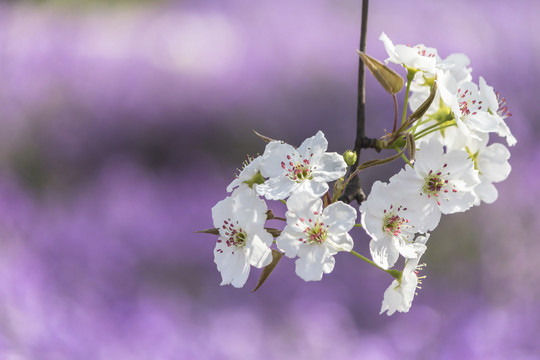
{"x":418,"y":57}
{"x":497,"y":106}
{"x":315,"y":235}
{"x":247,"y":174}
{"x":392,"y":220}
{"x":469,"y":107}
{"x":308,"y":168}
{"x":492,"y":165}
{"x":242,"y":241}
{"x":400,"y":294}
{"x":445,"y":181}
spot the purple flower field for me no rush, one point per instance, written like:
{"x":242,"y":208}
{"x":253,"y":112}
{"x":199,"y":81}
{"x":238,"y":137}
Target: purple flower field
{"x":121,"y":126}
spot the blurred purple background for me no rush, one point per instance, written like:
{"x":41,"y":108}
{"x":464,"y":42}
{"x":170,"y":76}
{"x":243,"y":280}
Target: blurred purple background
{"x":120,"y":127}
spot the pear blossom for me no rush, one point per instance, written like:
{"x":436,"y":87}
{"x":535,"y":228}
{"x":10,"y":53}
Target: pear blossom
{"x":400,"y":294}
{"x":248,"y":174}
{"x":242,"y":240}
{"x":416,"y":58}
{"x":469,"y":107}
{"x":445,"y":181}
{"x":457,"y":66}
{"x":497,"y":106}
{"x":392,"y":220}
{"x":492,"y":165}
{"x":315,"y":235}
{"x":307,"y":168}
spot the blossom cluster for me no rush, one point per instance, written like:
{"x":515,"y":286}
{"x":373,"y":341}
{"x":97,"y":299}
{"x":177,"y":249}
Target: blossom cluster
{"x":313,"y":233}
{"x":452,"y":166}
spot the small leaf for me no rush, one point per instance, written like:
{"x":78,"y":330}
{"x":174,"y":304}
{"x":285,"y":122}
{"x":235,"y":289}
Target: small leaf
{"x":390,"y":80}
{"x":208,"y":231}
{"x":267,"y":270}
{"x":265,"y":138}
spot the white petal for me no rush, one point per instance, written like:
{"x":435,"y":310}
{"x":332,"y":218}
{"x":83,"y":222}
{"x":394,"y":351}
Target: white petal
{"x":257,"y":248}
{"x":330,"y":167}
{"x":276,"y":188}
{"x":222,"y":211}
{"x":487,"y":192}
{"x":340,"y":217}
{"x":289,"y":241}
{"x":383,"y":252}
{"x":274,"y":153}
{"x":313,"y":261}
{"x":314,"y":147}
{"x":241,"y":271}
{"x":340,"y":242}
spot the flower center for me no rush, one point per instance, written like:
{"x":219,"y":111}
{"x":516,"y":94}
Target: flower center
{"x":502,"y":111}
{"x":316,"y":234}
{"x":467,"y":104}
{"x":422,"y":51}
{"x":299,"y":171}
{"x":435,"y":184}
{"x":315,"y":231}
{"x":234,"y":235}
{"x":392,"y":224}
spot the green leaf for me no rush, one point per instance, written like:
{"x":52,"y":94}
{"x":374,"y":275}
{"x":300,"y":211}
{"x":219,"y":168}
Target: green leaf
{"x":390,"y":80}
{"x":267,"y":270}
{"x":208,"y":231}
{"x":264,"y":138}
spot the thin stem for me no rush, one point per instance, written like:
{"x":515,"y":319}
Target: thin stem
{"x":395,"y":112}
{"x":406,"y":102}
{"x":425,"y":132}
{"x":395,"y":273}
{"x":407,"y":161}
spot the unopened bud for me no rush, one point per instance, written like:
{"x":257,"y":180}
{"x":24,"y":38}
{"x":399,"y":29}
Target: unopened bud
{"x":349,"y":157}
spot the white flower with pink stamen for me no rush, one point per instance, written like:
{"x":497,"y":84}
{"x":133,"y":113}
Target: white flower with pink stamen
{"x":392,"y":220}
{"x":497,"y":106}
{"x":418,"y":57}
{"x":445,"y":181}
{"x":469,"y":107}
{"x":315,"y":235}
{"x":307,"y":168}
{"x":400,"y":294}
{"x":242,"y":241}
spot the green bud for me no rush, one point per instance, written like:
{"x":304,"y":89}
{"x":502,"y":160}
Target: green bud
{"x":349,"y":157}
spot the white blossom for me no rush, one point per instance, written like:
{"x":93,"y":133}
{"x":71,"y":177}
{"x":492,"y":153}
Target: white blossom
{"x":247,"y":174}
{"x":242,"y":241}
{"x":400,"y":294}
{"x":392,"y":220}
{"x":315,"y":235}
{"x":497,"y":107}
{"x":445,"y":181}
{"x":307,"y":168}
{"x":418,"y":57}
{"x":469,"y":107}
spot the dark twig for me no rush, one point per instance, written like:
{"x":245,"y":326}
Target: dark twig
{"x":353,"y":190}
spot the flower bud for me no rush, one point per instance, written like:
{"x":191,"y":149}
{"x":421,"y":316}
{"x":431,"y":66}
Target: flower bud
{"x":349,"y":157}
